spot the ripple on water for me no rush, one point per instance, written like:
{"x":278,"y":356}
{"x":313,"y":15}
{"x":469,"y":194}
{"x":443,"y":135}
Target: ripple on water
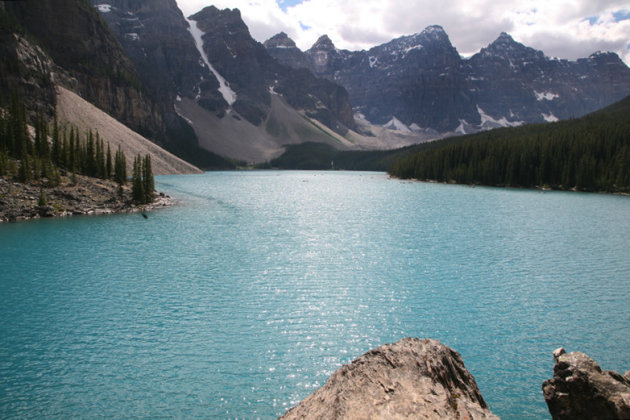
{"x":244,"y":299}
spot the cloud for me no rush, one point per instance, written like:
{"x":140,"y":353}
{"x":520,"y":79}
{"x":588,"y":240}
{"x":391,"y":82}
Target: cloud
{"x":562,"y":28}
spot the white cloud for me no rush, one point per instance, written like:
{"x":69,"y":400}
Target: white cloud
{"x":560,"y":28}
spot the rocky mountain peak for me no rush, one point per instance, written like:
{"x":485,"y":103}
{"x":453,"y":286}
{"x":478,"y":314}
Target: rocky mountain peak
{"x":504,"y":37}
{"x":505,"y":46}
{"x":432,"y":42}
{"x":280,"y":40}
{"x":227,"y":21}
{"x":601,"y":57}
{"x":323,"y":44}
{"x":435,"y":32}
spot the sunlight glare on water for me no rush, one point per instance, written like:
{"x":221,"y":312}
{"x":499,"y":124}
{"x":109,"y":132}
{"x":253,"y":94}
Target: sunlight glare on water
{"x":243,"y":299}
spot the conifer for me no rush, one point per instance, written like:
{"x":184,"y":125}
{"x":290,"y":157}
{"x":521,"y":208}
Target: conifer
{"x":120,"y":167}
{"x":137,"y":185}
{"x":149,"y":183}
{"x":108,"y":164}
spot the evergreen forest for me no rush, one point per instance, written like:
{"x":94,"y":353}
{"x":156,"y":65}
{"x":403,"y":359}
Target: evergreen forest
{"x":54,"y":151}
{"x":591,"y":153}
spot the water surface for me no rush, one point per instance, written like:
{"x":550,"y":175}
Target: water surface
{"x":245,"y":298}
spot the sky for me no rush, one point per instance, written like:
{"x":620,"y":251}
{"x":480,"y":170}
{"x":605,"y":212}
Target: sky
{"x":560,"y":28}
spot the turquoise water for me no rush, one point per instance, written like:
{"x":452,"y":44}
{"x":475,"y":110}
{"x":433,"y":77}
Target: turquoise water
{"x":245,"y":298}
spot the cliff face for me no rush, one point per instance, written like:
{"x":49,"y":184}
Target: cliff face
{"x":154,"y":34}
{"x":411,"y":378}
{"x":78,"y":41}
{"x":155,"y":37}
{"x":580,"y":389}
{"x":26,"y":69}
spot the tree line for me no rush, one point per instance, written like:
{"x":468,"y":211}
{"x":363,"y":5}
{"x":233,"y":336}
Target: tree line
{"x":588,"y":154}
{"x":54,"y":150}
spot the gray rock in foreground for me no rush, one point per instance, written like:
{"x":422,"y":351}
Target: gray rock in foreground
{"x":580,"y":389}
{"x":410,"y":379}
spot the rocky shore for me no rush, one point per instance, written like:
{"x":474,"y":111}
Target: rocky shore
{"x":81,"y":195}
{"x":424,"y":379}
{"x":580,"y":389}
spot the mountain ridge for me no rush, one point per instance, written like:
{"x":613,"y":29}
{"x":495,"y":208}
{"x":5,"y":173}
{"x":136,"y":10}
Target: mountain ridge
{"x":232,"y":80}
{"x":422,"y":81}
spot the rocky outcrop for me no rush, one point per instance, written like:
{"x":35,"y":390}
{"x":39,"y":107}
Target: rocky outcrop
{"x":28,"y":71}
{"x":580,"y":389}
{"x":410,"y":379}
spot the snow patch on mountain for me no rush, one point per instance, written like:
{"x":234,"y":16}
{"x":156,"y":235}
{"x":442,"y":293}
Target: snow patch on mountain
{"x":488,"y":122}
{"x":104,"y":8}
{"x":396,"y":124}
{"x":549,"y":117}
{"x":461,"y":128}
{"x":415,"y":47}
{"x":545,"y":96}
{"x":228,"y":94}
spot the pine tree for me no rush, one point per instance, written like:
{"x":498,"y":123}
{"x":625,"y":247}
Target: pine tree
{"x":4,"y":163}
{"x":90,"y":159}
{"x":149,"y":183}
{"x":56,"y":143}
{"x":120,"y":167}
{"x":24,"y":170}
{"x":72,"y":153}
{"x":137,"y":185}
{"x":108,"y":164}
{"x":42,"y":198}
{"x":65,"y":154}
{"x":42,"y":148}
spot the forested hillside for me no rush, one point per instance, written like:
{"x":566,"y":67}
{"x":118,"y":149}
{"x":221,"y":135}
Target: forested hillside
{"x":591,"y":153}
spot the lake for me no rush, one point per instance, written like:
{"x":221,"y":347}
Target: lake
{"x":243,"y":299}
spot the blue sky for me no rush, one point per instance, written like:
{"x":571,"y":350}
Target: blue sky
{"x":560,"y":28}
{"x":284,"y":4}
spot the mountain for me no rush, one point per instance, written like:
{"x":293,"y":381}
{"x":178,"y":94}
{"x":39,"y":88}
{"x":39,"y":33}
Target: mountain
{"x":422,"y":84}
{"x":66,"y":65}
{"x":155,"y":37}
{"x":208,"y":70}
{"x":519,"y":83}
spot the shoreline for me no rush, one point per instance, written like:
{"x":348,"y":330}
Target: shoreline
{"x":543,"y":188}
{"x":86,"y":196}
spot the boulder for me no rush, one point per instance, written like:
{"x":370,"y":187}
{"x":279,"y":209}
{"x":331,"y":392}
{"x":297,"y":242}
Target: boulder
{"x":410,"y":379}
{"x":580,"y":389}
